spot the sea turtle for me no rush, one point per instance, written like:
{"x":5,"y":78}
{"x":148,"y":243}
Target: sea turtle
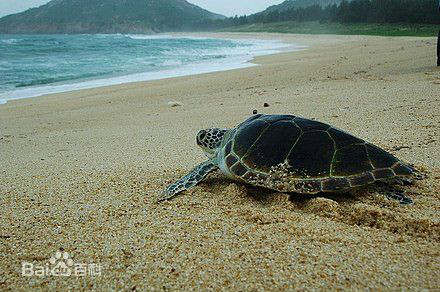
{"x":291,"y":154}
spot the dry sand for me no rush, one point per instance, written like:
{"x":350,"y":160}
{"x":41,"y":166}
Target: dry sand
{"x":80,"y":172}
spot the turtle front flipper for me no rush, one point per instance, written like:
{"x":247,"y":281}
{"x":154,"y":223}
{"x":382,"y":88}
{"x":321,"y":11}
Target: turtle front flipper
{"x":189,"y":180}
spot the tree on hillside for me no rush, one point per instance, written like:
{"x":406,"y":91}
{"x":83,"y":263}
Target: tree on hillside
{"x":354,"y":11}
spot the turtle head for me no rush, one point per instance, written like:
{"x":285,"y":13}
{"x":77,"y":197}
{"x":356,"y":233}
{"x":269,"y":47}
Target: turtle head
{"x":210,"y":139}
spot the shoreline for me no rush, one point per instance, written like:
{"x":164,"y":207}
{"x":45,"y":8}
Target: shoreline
{"x":258,"y":48}
{"x":82,"y":170}
{"x":287,"y":43}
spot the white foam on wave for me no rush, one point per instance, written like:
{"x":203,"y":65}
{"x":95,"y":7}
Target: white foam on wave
{"x":235,"y":58}
{"x":163,"y":36}
{"x":10,"y":41}
{"x":172,"y":63}
{"x":148,"y":37}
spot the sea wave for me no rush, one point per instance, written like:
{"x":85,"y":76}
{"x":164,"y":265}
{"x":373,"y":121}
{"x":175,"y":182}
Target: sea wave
{"x":85,"y":61}
{"x":11,"y":41}
{"x":148,"y":37}
{"x":165,"y":36}
{"x":45,"y":81}
{"x":169,"y":63}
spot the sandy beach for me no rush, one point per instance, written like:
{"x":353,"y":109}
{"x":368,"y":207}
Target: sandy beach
{"x":81,"y":172}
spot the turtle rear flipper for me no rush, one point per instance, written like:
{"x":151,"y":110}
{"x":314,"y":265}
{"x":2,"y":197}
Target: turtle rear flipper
{"x":189,"y":180}
{"x":400,"y":197}
{"x":391,"y":192}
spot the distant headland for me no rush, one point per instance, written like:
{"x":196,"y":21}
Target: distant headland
{"x":107,"y":16}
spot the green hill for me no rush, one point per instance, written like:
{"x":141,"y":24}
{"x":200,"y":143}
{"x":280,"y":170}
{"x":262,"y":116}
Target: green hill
{"x":107,"y":16}
{"x":289,"y":4}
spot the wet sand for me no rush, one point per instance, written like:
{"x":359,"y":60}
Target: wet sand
{"x":81,"y":172}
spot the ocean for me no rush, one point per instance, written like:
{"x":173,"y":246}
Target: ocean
{"x":33,"y":65}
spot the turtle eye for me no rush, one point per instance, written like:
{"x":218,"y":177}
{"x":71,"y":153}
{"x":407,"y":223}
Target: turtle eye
{"x":200,"y":137}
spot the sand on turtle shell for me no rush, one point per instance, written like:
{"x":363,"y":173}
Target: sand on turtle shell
{"x":81,"y":172}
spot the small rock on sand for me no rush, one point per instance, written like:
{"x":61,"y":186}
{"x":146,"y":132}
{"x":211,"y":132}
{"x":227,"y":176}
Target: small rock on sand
{"x":175,"y":103}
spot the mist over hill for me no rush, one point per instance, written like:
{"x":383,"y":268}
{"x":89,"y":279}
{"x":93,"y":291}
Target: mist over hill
{"x":107,"y":16}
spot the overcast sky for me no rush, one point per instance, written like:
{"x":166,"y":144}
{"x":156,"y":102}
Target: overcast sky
{"x":225,"y":7}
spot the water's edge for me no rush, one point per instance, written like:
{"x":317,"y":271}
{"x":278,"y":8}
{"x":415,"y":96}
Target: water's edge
{"x":269,"y":48}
